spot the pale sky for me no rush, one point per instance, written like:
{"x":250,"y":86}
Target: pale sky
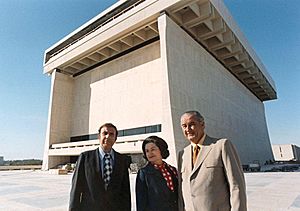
{"x":29,"y":27}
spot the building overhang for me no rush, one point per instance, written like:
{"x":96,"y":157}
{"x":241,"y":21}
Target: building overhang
{"x":129,"y":24}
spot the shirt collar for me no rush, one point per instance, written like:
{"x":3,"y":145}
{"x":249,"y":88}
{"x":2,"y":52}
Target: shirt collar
{"x":102,"y":153}
{"x":200,"y":143}
{"x":160,"y":166}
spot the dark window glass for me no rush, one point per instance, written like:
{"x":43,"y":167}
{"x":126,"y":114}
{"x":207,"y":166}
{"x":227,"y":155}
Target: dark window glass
{"x":120,"y":133}
{"x":134,"y":131}
{"x":79,"y":138}
{"x":126,"y":132}
{"x":93,"y":136}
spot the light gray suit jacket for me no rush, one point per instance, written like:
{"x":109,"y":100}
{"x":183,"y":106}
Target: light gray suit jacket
{"x":216,"y":182}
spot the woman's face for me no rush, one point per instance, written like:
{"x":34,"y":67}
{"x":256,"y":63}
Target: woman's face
{"x":153,"y":154}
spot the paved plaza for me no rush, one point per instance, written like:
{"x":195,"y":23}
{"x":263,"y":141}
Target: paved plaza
{"x":38,"y":190}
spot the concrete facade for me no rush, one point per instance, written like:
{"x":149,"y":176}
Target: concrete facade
{"x":143,"y":68}
{"x":198,"y":81}
{"x":286,"y":152}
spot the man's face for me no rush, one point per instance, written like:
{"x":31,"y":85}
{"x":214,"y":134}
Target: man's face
{"x":107,"y":138}
{"x":192,"y":128}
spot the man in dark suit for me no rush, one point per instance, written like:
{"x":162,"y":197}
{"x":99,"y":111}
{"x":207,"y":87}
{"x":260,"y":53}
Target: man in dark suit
{"x":101,"y":178}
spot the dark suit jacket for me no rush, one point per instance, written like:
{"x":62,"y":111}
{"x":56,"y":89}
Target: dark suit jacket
{"x":152,"y":192}
{"x":88,"y":192}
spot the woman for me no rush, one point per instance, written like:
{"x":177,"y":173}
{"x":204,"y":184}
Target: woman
{"x":156,"y":183}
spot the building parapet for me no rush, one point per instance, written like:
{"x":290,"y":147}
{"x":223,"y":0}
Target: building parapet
{"x":207,"y":21}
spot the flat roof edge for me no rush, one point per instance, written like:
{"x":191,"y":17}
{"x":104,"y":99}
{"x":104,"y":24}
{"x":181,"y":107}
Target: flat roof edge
{"x":226,"y":15}
{"x":67,"y":40}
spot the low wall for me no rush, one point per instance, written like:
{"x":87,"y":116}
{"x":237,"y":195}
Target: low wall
{"x":25,"y":167}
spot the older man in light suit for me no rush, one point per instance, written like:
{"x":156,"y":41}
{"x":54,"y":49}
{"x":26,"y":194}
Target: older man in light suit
{"x":210,"y":172}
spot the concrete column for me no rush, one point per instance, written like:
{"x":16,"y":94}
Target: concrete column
{"x":59,"y":116}
{"x":167,"y":122}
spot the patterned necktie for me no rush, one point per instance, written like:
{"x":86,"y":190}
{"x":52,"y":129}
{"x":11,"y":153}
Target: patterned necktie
{"x":107,"y":169}
{"x":195,"y":154}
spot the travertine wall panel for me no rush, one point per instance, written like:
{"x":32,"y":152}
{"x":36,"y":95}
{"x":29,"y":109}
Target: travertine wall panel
{"x":126,"y":91}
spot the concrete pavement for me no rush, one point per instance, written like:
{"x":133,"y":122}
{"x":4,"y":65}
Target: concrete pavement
{"x":38,"y":190}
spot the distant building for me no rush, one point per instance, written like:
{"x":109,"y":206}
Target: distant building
{"x":140,"y":64}
{"x":286,"y":152}
{"x":1,"y":160}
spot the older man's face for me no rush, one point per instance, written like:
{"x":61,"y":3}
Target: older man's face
{"x":107,"y":138}
{"x":192,"y":128}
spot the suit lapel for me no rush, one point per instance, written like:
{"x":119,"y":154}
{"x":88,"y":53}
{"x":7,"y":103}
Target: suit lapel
{"x":154,"y":172}
{"x":98,"y":167}
{"x":187,"y":159}
{"x":98,"y":183}
{"x":116,"y":167}
{"x":205,"y":149}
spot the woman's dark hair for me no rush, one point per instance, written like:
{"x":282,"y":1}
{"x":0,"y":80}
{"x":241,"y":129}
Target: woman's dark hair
{"x":160,"y":143}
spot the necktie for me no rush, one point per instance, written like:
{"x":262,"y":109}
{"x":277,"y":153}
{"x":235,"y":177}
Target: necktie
{"x":107,"y":169}
{"x":195,"y":154}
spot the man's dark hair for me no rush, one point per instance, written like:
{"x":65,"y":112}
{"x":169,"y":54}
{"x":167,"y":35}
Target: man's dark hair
{"x":199,"y":117}
{"x":160,"y":143}
{"x":108,"y":125}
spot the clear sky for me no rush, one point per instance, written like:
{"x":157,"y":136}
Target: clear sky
{"x":29,"y":27}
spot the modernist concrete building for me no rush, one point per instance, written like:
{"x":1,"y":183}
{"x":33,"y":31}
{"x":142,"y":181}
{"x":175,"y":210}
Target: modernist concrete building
{"x":286,"y":152}
{"x":140,"y":64}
